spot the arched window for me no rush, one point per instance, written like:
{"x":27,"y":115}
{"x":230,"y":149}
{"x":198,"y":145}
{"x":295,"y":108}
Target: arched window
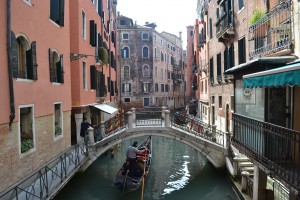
{"x":126,"y":72}
{"x":56,"y":66}
{"x":25,"y":65}
{"x":146,"y":71}
{"x":145,"y":52}
{"x":125,"y":52}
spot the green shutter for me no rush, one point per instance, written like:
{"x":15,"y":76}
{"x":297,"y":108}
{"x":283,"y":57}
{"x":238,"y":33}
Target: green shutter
{"x":51,"y":69}
{"x":93,"y":77}
{"x":93,"y":31}
{"x":14,"y":55}
{"x":108,"y":84}
{"x":60,"y":70}
{"x":62,"y":12}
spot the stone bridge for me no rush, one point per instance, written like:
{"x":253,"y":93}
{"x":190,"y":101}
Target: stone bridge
{"x":212,"y":143}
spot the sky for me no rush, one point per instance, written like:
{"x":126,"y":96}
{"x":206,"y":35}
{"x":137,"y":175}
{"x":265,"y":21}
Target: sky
{"x":171,"y":16}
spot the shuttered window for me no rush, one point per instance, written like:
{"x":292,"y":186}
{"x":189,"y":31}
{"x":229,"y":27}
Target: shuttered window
{"x":211,"y":70}
{"x":242,"y":50}
{"x":126,"y":87}
{"x":56,"y":67}
{"x":93,"y":33}
{"x":93,"y":74}
{"x":57,"y":11}
{"x":231,"y":56}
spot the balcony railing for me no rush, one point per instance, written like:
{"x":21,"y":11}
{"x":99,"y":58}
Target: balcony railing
{"x":274,"y":147}
{"x":273,"y":33}
{"x":225,"y":25}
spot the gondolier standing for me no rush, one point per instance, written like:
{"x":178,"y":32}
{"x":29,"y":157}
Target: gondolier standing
{"x":131,"y":157}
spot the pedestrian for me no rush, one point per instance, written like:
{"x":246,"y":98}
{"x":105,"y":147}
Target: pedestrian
{"x":84,"y":130}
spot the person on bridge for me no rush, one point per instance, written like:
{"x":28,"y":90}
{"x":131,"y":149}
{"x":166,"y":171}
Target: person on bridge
{"x":131,"y":161}
{"x":84,"y":129}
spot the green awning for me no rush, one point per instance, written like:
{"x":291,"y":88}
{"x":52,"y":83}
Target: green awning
{"x":279,"y":77}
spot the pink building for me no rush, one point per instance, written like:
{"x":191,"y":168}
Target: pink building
{"x":35,"y":105}
{"x":93,"y":62}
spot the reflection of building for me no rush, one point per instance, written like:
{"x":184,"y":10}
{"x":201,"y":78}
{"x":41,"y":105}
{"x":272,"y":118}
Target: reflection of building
{"x":94,"y":88}
{"x":36,"y":96}
{"x":150,"y":65}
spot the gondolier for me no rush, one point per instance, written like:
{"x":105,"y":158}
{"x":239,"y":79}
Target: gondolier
{"x":131,"y":156}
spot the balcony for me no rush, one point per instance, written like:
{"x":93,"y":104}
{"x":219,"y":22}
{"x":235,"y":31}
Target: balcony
{"x":272,"y":34}
{"x":225,"y":26}
{"x":276,"y":148}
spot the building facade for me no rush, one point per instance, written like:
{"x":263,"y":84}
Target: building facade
{"x":150,"y":66}
{"x":36,"y":85}
{"x":93,"y":62}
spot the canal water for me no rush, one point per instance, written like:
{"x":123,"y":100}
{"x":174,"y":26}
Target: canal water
{"x":178,"y":172}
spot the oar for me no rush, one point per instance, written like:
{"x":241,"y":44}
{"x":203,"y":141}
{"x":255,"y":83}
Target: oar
{"x":143,"y":183}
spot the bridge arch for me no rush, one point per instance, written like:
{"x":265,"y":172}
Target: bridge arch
{"x":213,"y":152}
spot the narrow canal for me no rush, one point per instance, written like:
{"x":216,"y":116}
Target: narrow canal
{"x":178,"y":172}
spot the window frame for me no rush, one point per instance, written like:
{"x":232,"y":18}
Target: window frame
{"x":31,"y":106}
{"x":83,"y":25}
{"x":84,"y":75}
{"x":125,"y":34}
{"x":145,"y":34}
{"x":145,"y":47}
{"x":60,"y":120}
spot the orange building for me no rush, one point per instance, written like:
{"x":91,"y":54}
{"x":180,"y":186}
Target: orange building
{"x":93,"y":62}
{"x":35,"y":104}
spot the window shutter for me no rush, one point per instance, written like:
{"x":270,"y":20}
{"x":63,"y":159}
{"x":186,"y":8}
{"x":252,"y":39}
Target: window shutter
{"x":31,"y":62}
{"x":123,"y":87}
{"x":61,"y":67}
{"x":62,"y":12}
{"x":93,"y":30}
{"x":100,"y":8}
{"x":142,"y":86}
{"x":129,"y":87}
{"x":51,"y":69}
{"x":108,"y":84}
{"x":14,"y":55}
{"x":112,"y":88}
{"x":113,"y":37}
{"x":93,"y":77}
{"x":102,"y":84}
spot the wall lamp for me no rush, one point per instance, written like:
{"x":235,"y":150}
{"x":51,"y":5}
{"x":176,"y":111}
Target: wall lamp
{"x":77,"y":56}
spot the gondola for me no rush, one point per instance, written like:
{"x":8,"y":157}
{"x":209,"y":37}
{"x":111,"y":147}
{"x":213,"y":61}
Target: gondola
{"x":126,"y":180}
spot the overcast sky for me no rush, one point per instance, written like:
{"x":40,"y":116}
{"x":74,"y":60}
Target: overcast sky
{"x":171,"y":16}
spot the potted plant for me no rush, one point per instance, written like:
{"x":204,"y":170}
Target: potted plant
{"x":259,"y":30}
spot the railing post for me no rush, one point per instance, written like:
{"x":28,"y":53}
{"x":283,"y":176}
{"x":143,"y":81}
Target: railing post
{"x":133,"y":117}
{"x":167,"y":118}
{"x":102,"y":129}
{"x":91,"y":135}
{"x":244,"y":180}
{"x":130,"y":123}
{"x":235,"y":166}
{"x":214,"y":129}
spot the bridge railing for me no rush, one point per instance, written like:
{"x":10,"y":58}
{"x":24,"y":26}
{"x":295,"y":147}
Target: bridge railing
{"x":148,"y":117}
{"x":199,"y":128}
{"x":42,"y":183}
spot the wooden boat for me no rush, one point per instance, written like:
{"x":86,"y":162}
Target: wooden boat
{"x":126,"y":180}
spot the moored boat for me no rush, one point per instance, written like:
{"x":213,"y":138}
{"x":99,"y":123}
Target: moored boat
{"x":130,"y":180}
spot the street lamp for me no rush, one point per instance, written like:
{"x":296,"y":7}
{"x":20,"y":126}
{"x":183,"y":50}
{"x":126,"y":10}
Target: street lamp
{"x":77,"y":56}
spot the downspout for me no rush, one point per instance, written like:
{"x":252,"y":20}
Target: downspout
{"x":9,"y":61}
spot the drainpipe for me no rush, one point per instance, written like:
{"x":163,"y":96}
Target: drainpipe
{"x":9,"y":61}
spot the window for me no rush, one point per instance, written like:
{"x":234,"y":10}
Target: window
{"x":92,"y":1}
{"x":210,"y":28}
{"x":145,"y":52}
{"x":127,"y":100}
{"x":84,"y":77}
{"x":146,"y":101}
{"x":219,"y":67}
{"x":145,"y":36}
{"x":56,"y":67}
{"x":242,"y":50}
{"x":58,"y":125}
{"x":126,"y":87}
{"x":212,"y":99}
{"x":122,"y":22}
{"x":162,"y":88}
{"x":93,"y":78}
{"x":83,"y":19}
{"x":156,"y":87}
{"x":57,"y":11}
{"x":211,"y":70}
{"x":146,"y":71}
{"x":26,"y":128}
{"x":232,"y":102}
{"x":161,"y":56}
{"x":25,"y":66}
{"x":155,"y":72}
{"x":126,"y":72}
{"x":231,"y":56}
{"x":125,"y":52}
{"x":155,"y":52}
{"x":241,"y":4}
{"x":220,"y":102}
{"x":125,"y":36}
{"x":146,"y":87}
{"x":93,"y":33}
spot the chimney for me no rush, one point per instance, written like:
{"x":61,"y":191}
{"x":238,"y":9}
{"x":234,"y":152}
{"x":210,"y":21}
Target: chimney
{"x":118,"y":13}
{"x":135,"y":23}
{"x":180,"y":34}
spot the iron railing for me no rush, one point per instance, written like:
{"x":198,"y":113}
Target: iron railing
{"x":41,"y":184}
{"x":199,"y":128}
{"x":272,"y":33}
{"x":275,"y":147}
{"x":225,"y":24}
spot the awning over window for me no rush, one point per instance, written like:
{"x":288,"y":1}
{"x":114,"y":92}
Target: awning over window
{"x":282,"y":76}
{"x":105,"y":108}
